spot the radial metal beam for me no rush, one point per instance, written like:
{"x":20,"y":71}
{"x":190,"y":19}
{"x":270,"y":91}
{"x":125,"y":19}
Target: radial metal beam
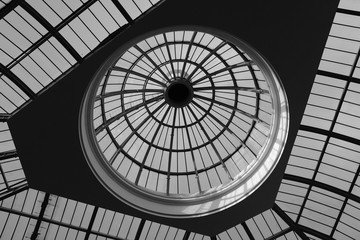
{"x":186,"y":235}
{"x":20,"y":84}
{"x":279,"y":234}
{"x":52,"y":30}
{"x":127,"y":111}
{"x":290,"y":222}
{"x":322,"y":185}
{"x":44,"y":204}
{"x":58,"y":223}
{"x":4,"y":117}
{"x":330,"y":134}
{"x":123,"y":11}
{"x":8,"y":154}
{"x":9,"y":7}
{"x":91,"y":223}
{"x":13,"y":191}
{"x":315,"y":233}
{"x":345,"y":202}
{"x":247,"y":230}
{"x":139,"y":230}
{"x":348,"y":11}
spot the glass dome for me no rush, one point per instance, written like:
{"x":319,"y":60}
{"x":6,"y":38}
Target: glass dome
{"x":184,"y":122}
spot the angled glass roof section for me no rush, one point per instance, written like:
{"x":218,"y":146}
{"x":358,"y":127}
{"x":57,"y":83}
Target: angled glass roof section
{"x":12,"y":176}
{"x":41,"y":40}
{"x":34,"y":213}
{"x":322,"y":176}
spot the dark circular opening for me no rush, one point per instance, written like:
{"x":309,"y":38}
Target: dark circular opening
{"x":178,"y":94}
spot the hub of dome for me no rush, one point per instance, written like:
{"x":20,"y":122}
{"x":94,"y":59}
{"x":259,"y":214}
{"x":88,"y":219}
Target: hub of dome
{"x":179,"y":93}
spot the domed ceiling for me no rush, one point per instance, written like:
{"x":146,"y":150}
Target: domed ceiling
{"x":47,"y":49}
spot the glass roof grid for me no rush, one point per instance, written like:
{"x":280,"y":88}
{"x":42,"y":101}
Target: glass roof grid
{"x":6,"y":105}
{"x":132,"y":8}
{"x":23,"y":202}
{"x":52,"y":30}
{"x":70,"y":215}
{"x":94,"y":25}
{"x":341,"y":99}
{"x":196,"y":236}
{"x":17,"y":37}
{"x":54,"y":231}
{"x":346,"y":204}
{"x":288,"y":220}
{"x":350,"y":219}
{"x":57,"y":208}
{"x":347,"y":122}
{"x":56,"y":55}
{"x":321,"y":210}
{"x":116,"y":224}
{"x":236,"y":232}
{"x":75,"y":40}
{"x":12,"y":175}
{"x":12,"y":92}
{"x":26,"y":72}
{"x":55,"y":65}
{"x":312,"y":237}
{"x":331,"y":128}
{"x":267,"y":224}
{"x":290,"y":197}
{"x":15,"y":226}
{"x":150,"y":230}
{"x":289,"y":236}
{"x":305,"y":154}
{"x":356,"y":189}
{"x":47,"y":11}
{"x":117,"y":13}
{"x":255,"y":230}
{"x":349,"y":4}
{"x":323,"y":102}
{"x":3,"y":3}
{"x":341,"y":161}
{"x":166,"y":232}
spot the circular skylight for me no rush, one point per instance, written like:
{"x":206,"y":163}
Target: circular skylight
{"x":184,"y":122}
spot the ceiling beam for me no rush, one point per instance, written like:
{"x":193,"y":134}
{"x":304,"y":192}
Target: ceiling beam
{"x":9,"y":7}
{"x":4,"y":117}
{"x":322,"y":185}
{"x":20,"y":84}
{"x":290,"y":222}
{"x":345,"y":202}
{"x":13,"y":191}
{"x":247,"y":230}
{"x":58,"y":223}
{"x":330,"y":134}
{"x":44,"y":205}
{"x":52,"y":30}
{"x":279,"y":234}
{"x":315,"y":233}
{"x":91,"y":223}
{"x":8,"y":154}
{"x":140,"y":228}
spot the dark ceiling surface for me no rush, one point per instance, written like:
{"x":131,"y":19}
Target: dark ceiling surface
{"x":290,"y":35}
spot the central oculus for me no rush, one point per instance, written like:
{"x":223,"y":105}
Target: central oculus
{"x":179,"y":93}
